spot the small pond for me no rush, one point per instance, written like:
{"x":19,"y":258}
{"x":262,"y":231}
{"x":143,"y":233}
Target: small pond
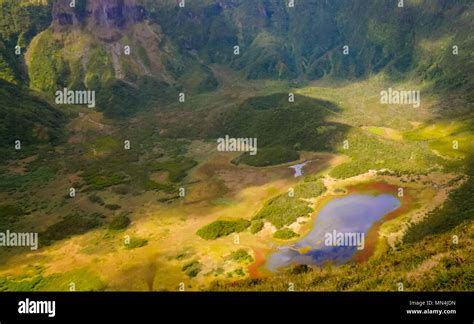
{"x":338,"y":231}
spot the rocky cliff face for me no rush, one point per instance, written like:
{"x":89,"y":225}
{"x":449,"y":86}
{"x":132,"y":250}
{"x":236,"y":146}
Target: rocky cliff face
{"x":116,"y":13}
{"x":84,"y":46}
{"x":96,"y":42}
{"x":103,"y":14}
{"x":111,"y":46}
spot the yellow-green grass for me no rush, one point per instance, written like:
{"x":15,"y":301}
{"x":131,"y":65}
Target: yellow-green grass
{"x":385,"y":132}
{"x":360,"y":101}
{"x":452,"y":140}
{"x":215,"y":189}
{"x":433,"y":264}
{"x":168,"y":229}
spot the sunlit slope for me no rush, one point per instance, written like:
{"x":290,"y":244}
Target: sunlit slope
{"x":433,"y":264}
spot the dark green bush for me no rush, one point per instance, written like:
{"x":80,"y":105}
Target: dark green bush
{"x":285,"y":234}
{"x":223,"y":228}
{"x":120,"y":222}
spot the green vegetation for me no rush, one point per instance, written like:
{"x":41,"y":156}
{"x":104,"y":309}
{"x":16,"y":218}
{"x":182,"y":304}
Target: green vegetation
{"x":98,"y":181}
{"x":440,"y":138}
{"x":192,"y":269}
{"x":268,"y":156}
{"x":47,"y":69}
{"x":119,"y":99}
{"x":104,"y":144}
{"x":300,"y":269}
{"x":288,"y":45}
{"x":137,"y":95}
{"x":310,"y":188}
{"x":458,"y":208}
{"x":105,"y":165}
{"x":257,"y":226}
{"x":152,"y":185}
{"x":369,"y":152}
{"x":22,"y":182}
{"x":83,"y":280}
{"x":241,"y":256}
{"x":184,"y":255}
{"x":221,"y":228}
{"x":282,"y":127}
{"x":19,"y":23}
{"x":451,"y":268}
{"x":96,"y":199}
{"x":222,"y":202}
{"x":136,"y":242}
{"x":9,"y":215}
{"x":23,"y":20}
{"x":177,"y":168}
{"x":285,"y":234}
{"x":51,"y":66}
{"x":238,"y":272}
{"x":112,"y":206}
{"x":377,"y":131}
{"x":72,"y":224}
{"x":26,"y":118}
{"x":120,"y":222}
{"x":283,"y":210}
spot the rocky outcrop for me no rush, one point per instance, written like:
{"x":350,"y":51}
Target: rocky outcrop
{"x":110,"y":14}
{"x":116,"y":13}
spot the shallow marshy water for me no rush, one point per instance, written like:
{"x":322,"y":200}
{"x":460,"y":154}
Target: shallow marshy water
{"x":298,"y":168}
{"x":338,"y":231}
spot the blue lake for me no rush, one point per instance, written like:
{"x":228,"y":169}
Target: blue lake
{"x":354,"y":213}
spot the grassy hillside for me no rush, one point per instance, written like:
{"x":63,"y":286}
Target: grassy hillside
{"x":20,"y":21}
{"x":281,"y":42}
{"x":433,"y":264}
{"x":27,"y":118}
{"x":171,"y":191}
{"x":276,"y":42}
{"x":275,"y":121}
{"x":458,"y":208}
